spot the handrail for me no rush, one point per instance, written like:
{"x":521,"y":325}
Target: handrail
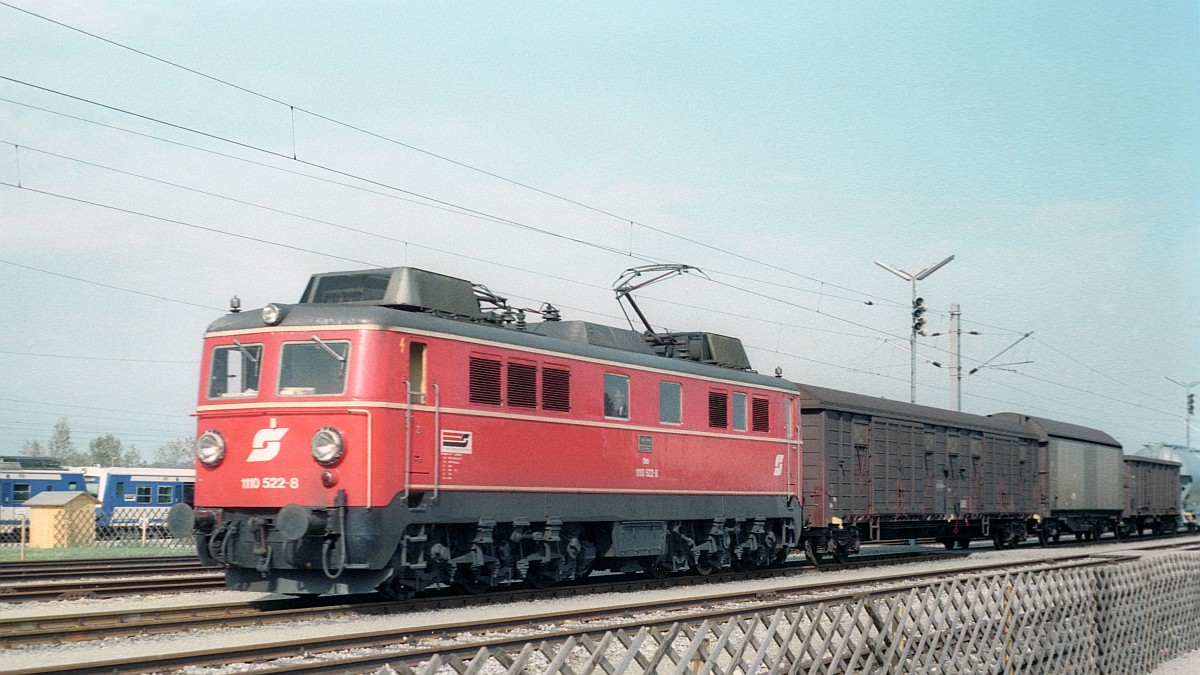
{"x":437,"y":439}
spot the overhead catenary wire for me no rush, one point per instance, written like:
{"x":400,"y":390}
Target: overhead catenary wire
{"x":433,"y":154}
{"x":293,"y":108}
{"x":265,"y":241}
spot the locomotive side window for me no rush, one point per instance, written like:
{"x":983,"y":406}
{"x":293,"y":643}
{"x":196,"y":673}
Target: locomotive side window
{"x":739,"y":411}
{"x":556,"y":389}
{"x":760,"y":414}
{"x":616,"y":396}
{"x":316,"y":368}
{"x":416,"y":373}
{"x":484,"y":375}
{"x":234,"y":371}
{"x":670,"y":402}
{"x":718,"y":409}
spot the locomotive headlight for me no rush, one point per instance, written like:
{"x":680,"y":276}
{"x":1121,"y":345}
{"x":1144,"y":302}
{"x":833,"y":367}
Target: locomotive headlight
{"x":327,"y":445}
{"x":210,"y":448}
{"x":271,"y":314}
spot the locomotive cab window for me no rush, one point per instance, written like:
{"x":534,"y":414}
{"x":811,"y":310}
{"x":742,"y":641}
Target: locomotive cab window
{"x":234,"y":371}
{"x":616,"y":396}
{"x":739,"y":411}
{"x":316,"y":368}
{"x":670,"y":402}
{"x":416,"y":373}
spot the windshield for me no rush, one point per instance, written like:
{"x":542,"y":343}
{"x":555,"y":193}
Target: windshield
{"x":234,"y":371}
{"x":316,"y":368}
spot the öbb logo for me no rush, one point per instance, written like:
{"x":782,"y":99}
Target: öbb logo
{"x":267,"y":443}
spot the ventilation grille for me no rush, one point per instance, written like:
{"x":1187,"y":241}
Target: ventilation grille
{"x":760,"y":414}
{"x":718,"y":410}
{"x":522,"y":385}
{"x":485,"y":381}
{"x":556,"y":389}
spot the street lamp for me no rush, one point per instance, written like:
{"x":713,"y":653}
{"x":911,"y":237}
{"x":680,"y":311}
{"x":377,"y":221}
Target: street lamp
{"x":918,"y":311}
{"x":1191,"y":407}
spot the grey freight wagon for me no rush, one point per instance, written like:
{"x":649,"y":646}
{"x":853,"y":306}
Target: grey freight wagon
{"x":1081,"y":476}
{"x":1153,"y":496}
{"x":878,"y":470}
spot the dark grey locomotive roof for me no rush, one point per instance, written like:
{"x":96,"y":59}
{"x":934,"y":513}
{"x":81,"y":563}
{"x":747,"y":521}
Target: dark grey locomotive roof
{"x":1047,"y":429}
{"x":814,"y":398}
{"x":349,"y":314}
{"x":586,"y":332}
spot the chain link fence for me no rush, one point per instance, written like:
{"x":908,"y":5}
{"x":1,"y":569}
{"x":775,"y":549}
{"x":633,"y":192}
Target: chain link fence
{"x":81,"y":530}
{"x":1123,"y":619}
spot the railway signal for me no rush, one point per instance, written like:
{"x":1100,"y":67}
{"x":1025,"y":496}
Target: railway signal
{"x":912,"y":338}
{"x":918,"y":314}
{"x":1191,"y":407}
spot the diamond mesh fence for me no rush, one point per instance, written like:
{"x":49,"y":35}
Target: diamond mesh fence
{"x":1117,"y":620}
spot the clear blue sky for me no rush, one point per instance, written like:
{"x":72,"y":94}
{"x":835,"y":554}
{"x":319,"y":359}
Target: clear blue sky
{"x":1053,"y":148}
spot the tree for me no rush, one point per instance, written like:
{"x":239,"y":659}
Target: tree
{"x":60,"y":446}
{"x":179,"y":453}
{"x":33,"y":449}
{"x":107,"y":450}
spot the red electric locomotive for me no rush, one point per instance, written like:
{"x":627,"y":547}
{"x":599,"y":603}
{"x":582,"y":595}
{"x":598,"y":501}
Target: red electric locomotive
{"x":386,"y":433}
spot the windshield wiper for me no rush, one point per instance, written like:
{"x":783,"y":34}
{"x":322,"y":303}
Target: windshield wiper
{"x":246,"y":352}
{"x":329,"y":349}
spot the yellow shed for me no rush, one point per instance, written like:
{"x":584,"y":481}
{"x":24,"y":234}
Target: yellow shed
{"x":62,"y":519}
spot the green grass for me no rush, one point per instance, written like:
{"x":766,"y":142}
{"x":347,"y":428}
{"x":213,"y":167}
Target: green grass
{"x":114,"y":549}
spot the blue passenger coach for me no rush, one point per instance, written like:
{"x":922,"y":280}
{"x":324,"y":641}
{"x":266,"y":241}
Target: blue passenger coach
{"x":18,"y":483}
{"x":130,"y":495}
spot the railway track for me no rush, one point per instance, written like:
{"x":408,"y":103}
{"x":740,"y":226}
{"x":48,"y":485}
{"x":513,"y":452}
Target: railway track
{"x":95,"y":567}
{"x":103,"y":578}
{"x":413,"y":644}
{"x":75,"y":627}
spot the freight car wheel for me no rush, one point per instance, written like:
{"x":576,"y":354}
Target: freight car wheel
{"x":840,"y":554}
{"x":964,"y":542}
{"x":811,"y":554}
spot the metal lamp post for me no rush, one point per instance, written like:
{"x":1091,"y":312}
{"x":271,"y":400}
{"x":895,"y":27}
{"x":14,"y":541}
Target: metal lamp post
{"x":918,"y":309}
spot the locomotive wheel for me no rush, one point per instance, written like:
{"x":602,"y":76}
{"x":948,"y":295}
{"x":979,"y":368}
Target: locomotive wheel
{"x":542,"y":576}
{"x":655,"y":569}
{"x":396,"y":589}
{"x":811,"y":554}
{"x":704,"y":564}
{"x":780,"y":557}
{"x":469,"y":581}
{"x":739,"y":563}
